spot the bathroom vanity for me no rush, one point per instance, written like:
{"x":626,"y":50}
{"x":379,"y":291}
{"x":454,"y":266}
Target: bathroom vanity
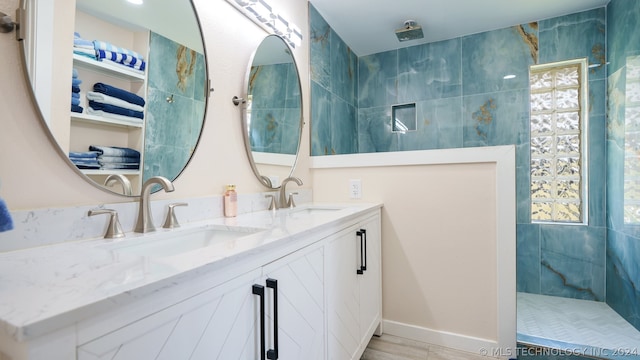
{"x":302,"y":283}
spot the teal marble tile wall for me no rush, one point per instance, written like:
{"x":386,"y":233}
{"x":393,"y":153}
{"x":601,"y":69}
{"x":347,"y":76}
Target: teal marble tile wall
{"x":334,"y":70}
{"x":623,"y":240}
{"x":275,"y":108}
{"x":463,"y":100}
{"x":173,"y":128}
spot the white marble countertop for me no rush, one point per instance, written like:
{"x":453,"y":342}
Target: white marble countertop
{"x":44,"y":288}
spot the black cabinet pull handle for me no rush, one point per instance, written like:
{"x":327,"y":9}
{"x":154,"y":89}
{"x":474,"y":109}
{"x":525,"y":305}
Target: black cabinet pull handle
{"x":364,"y":235}
{"x":360,"y":271}
{"x":272,"y":354}
{"x":259,"y":290}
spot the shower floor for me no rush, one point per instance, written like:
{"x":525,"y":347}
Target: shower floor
{"x":584,"y":327}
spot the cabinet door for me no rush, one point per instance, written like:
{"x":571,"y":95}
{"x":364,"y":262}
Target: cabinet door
{"x":370,"y":282}
{"x":343,"y":295}
{"x":354,"y":294}
{"x":300,"y":305}
{"x":220,"y":323}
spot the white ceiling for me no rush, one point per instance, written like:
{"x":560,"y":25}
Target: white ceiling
{"x":368,"y":26}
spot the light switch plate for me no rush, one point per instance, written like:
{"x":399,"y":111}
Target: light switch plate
{"x":355,"y":189}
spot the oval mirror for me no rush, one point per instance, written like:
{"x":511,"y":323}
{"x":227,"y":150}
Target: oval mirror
{"x":122,"y":87}
{"x":272,"y":111}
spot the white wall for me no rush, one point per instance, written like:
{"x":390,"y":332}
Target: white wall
{"x":448,"y":239}
{"x":33,"y":175}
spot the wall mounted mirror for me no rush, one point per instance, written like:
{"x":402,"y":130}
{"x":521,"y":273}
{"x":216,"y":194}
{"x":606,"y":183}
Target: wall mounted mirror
{"x":111,"y":75}
{"x":272,"y":111}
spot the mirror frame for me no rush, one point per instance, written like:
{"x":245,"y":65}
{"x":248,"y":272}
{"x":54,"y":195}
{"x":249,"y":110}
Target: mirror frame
{"x":264,"y":180}
{"x":21,"y":31}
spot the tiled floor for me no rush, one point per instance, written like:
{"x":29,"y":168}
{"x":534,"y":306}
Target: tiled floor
{"x":570,"y":324}
{"x":388,"y":347}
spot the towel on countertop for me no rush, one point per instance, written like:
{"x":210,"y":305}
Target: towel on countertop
{"x":115,"y":109}
{"x":124,"y":59}
{"x":106,"y":99}
{"x":114,"y":151}
{"x":105,"y":46}
{"x":77,"y":108}
{"x":105,"y":114}
{"x":6,"y":222}
{"x":118,"y":93}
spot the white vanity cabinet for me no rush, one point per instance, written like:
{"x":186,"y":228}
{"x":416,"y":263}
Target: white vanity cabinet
{"x":353,"y":283}
{"x":302,"y":294}
{"x":225,"y":322}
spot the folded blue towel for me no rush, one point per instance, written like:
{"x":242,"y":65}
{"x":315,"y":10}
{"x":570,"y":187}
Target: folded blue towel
{"x":75,"y":95}
{"x":124,"y":59}
{"x":75,"y":89}
{"x":115,"y":109}
{"x":6,"y":222}
{"x":74,"y":73}
{"x":83,"y":161}
{"x":88,"y":167}
{"x":76,"y":82}
{"x":75,"y":101}
{"x":128,"y":166}
{"x":89,"y":53}
{"x":77,"y":108}
{"x":118,"y":93}
{"x":84,"y":154}
{"x":104,"y":159}
{"x":103,"y":45}
{"x":114,"y":151}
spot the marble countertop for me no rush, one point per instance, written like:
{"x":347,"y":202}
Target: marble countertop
{"x":44,"y":288}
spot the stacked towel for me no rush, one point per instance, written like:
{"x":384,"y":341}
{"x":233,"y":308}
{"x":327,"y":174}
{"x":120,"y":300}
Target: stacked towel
{"x":112,"y":102}
{"x":83,"y":47}
{"x":75,"y":92}
{"x":6,"y":223}
{"x":113,"y":157}
{"x":85,"y":160}
{"x":130,"y":58}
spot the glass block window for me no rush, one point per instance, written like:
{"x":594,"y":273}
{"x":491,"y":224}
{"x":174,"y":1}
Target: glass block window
{"x":558,"y":103}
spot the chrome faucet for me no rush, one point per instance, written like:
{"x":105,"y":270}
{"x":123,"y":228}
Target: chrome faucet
{"x":126,"y":184}
{"x":283,"y":192}
{"x":145,"y":220}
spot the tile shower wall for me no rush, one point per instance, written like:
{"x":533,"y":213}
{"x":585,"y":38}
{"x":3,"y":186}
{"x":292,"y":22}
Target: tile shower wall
{"x":334,"y":69}
{"x":463,"y":100}
{"x":275,"y":108}
{"x":623,"y":230}
{"x":175,"y":106}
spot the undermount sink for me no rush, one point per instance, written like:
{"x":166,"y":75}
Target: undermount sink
{"x":181,"y":241}
{"x":311,"y":210}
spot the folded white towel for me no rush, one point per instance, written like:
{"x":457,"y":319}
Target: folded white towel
{"x":105,"y":114}
{"x":106,"y":99}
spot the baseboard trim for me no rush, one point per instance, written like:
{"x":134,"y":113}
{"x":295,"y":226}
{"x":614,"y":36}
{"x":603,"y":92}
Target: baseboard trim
{"x":442,"y":338}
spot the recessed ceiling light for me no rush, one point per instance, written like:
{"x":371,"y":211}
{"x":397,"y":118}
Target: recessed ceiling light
{"x":509,"y":77}
{"x":135,"y":2}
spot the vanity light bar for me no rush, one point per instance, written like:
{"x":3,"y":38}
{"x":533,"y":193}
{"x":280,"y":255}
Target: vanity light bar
{"x":265,"y":16}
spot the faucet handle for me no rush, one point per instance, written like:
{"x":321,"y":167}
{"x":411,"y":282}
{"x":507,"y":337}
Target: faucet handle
{"x":290,"y":203}
{"x":272,"y":203}
{"x":172,"y":221}
{"x":114,"y":230}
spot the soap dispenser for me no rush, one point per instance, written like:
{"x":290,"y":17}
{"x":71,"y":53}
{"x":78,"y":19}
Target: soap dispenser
{"x":230,"y":201}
